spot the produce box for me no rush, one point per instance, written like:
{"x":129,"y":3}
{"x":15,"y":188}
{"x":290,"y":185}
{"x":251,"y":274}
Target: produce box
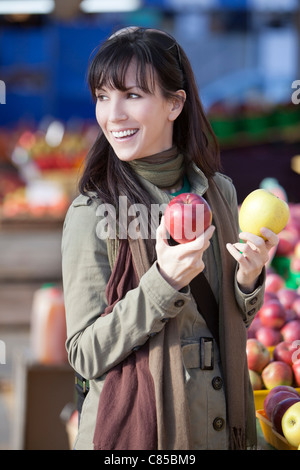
{"x":272,"y":437}
{"x":259,"y":398}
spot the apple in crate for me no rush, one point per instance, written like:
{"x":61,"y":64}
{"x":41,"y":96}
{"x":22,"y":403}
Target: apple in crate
{"x":261,"y":208}
{"x":291,"y":424}
{"x":291,"y":331}
{"x":279,"y":411}
{"x":287,"y":241}
{"x":296,"y":305}
{"x":268,"y":336}
{"x":277,"y":373}
{"x":287,"y":297}
{"x":274,"y":391}
{"x":258,"y":356}
{"x":277,"y":398}
{"x":255,"y":379}
{"x":296,"y":367}
{"x":272,"y":314}
{"x":284,"y":351}
{"x":187,"y":216}
{"x":274,"y":282}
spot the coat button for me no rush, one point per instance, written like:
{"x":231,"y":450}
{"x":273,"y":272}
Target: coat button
{"x":252,"y":311}
{"x":218,"y":424}
{"x":179,"y":303}
{"x":253,"y":301}
{"x":164,"y":320}
{"x":217,"y":383}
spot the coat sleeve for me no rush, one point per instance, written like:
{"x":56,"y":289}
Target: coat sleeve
{"x":95,"y":343}
{"x":249,"y":303}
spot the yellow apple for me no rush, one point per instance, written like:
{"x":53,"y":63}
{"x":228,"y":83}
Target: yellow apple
{"x":290,"y":424}
{"x":261,"y":208}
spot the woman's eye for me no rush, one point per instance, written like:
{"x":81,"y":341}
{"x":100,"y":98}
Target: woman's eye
{"x":133,"y":95}
{"x":101,"y":97}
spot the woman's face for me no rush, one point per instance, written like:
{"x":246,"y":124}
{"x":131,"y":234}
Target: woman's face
{"x":135,"y":123}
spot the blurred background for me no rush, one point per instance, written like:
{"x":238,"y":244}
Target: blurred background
{"x":246,"y":57}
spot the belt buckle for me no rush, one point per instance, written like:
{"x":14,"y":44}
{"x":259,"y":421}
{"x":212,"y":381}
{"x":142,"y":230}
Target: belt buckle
{"x":206,"y":353}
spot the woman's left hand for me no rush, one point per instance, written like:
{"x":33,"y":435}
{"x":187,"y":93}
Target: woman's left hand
{"x":252,"y":256}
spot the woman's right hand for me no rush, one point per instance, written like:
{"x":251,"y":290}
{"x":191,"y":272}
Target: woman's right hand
{"x":179,"y":264}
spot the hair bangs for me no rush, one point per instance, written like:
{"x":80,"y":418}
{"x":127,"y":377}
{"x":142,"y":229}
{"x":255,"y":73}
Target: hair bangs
{"x":109,"y":68}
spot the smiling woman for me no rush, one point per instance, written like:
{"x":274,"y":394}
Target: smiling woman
{"x":158,"y":329}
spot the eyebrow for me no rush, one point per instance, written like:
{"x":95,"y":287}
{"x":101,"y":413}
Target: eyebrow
{"x":125,"y":88}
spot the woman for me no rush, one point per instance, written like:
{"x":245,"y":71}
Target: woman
{"x":158,"y":330}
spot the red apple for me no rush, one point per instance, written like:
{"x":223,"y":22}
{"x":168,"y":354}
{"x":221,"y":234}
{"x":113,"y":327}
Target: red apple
{"x":287,"y":241}
{"x":284,"y":351}
{"x":187,"y":216}
{"x":274,"y":282}
{"x":255,"y":379}
{"x":277,"y":389}
{"x":258,"y":356}
{"x":291,"y":424}
{"x":280,"y":410}
{"x":296,"y":369}
{"x":291,"y":331}
{"x":287,"y":297}
{"x":277,"y":398}
{"x":269,"y":295}
{"x":290,"y":315}
{"x":295,"y":264}
{"x":297,"y":250}
{"x":268,"y":336}
{"x":277,"y":373}
{"x":255,"y":325}
{"x":272,"y":314}
{"x":296,"y":305}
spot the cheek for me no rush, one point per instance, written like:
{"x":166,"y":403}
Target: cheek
{"x":97,"y":113}
{"x":99,"y":116}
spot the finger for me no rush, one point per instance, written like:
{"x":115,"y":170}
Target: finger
{"x":161,"y":231}
{"x":252,"y":238}
{"x":270,"y":237}
{"x":202,"y":241}
{"x":249,"y":248}
{"x":244,"y":252}
{"x":260,"y":243}
{"x":236,"y":253}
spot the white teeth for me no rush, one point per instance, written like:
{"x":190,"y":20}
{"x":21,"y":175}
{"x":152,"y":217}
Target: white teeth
{"x":124,"y":133}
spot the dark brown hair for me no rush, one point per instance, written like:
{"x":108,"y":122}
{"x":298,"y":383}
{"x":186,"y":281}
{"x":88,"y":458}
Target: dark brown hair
{"x":104,"y":172}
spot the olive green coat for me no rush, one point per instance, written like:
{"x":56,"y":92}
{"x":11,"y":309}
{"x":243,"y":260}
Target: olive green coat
{"x":95,"y":344}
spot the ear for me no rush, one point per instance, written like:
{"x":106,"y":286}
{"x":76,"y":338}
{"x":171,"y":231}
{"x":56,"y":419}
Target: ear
{"x":176,"y":104}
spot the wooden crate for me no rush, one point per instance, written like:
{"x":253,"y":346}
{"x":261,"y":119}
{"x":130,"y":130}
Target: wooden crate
{"x":41,"y":393}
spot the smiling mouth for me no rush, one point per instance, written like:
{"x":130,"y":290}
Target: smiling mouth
{"x":125,"y":133}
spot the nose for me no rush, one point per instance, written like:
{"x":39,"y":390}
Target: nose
{"x":117,"y":110}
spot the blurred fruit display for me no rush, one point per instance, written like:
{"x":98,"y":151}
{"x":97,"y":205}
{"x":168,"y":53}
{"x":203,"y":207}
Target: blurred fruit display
{"x":40,"y":170}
